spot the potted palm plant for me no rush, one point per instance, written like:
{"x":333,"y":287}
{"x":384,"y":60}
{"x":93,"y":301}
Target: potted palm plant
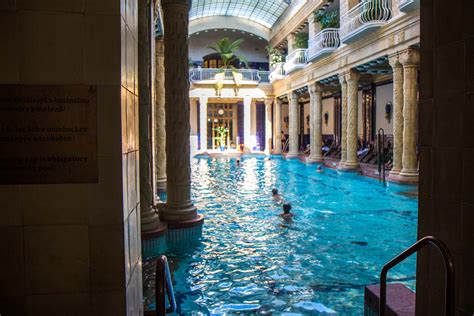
{"x":275,"y":56}
{"x":221,"y":136}
{"x":228,"y":52}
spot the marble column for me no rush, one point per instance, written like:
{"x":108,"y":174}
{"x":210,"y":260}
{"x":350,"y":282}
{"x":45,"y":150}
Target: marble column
{"x":410,"y":59}
{"x":293,"y":126}
{"x":277,"y":126}
{"x":247,"y":121}
{"x":291,"y":39}
{"x":343,"y":82}
{"x":352,"y":79}
{"x":268,"y":126}
{"x":178,"y":207}
{"x":316,"y":128}
{"x":149,"y":218}
{"x":160,"y":117}
{"x":397,"y":114}
{"x":203,"y":122}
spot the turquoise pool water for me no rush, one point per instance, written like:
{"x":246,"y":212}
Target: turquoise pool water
{"x":251,"y":261}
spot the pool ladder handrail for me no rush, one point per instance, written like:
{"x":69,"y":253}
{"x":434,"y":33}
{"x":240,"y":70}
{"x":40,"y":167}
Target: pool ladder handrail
{"x":448,"y":272}
{"x":381,"y":155}
{"x":286,"y":145}
{"x":163,"y":286}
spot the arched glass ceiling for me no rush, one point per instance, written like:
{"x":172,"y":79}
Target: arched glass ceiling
{"x":265,"y":12}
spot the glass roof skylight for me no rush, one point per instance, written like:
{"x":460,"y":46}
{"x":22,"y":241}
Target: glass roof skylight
{"x":265,"y":12}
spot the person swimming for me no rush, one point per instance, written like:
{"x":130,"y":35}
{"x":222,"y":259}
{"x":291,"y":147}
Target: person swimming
{"x":319,"y":169}
{"x":286,"y":211}
{"x":276,"y":196}
{"x":237,"y":162}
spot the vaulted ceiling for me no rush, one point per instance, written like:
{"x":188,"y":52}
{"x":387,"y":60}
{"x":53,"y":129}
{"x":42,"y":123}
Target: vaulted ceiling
{"x":265,"y":12}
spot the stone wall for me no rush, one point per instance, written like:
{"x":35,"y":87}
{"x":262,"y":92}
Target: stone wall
{"x":446,"y":152}
{"x":74,"y":249}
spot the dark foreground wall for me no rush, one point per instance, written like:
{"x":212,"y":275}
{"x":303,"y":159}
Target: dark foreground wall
{"x":446,"y":130}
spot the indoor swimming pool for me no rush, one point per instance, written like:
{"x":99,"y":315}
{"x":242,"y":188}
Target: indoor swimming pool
{"x":251,"y":261}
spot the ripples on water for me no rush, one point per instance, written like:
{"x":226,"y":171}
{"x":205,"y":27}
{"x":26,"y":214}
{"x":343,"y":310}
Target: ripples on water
{"x":250,"y":260}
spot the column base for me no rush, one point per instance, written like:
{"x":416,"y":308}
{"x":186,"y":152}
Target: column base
{"x":161,"y":184}
{"x":149,"y":220}
{"x":405,"y":177}
{"x":291,"y":155}
{"x":393,"y":175}
{"x":350,"y":166}
{"x":314,"y":159}
{"x":178,"y":214}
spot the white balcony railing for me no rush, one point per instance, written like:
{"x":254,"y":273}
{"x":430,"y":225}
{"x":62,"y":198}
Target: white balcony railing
{"x":295,"y":60}
{"x":208,"y":75}
{"x":277,"y":73}
{"x":365,"y":17}
{"x":325,"y":42}
{"x":407,"y":5}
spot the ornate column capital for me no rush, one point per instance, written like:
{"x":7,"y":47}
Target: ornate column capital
{"x":342,"y":78}
{"x":410,"y":57}
{"x":268,"y":101}
{"x":352,"y":75}
{"x":292,"y":97}
{"x":394,"y":60}
{"x":278,"y":101}
{"x":315,"y":88}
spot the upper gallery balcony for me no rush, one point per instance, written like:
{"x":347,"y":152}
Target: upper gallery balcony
{"x":228,"y":76}
{"x":278,"y":72}
{"x":407,"y":5}
{"x":295,"y":60}
{"x":324,"y":43}
{"x":364,"y":18}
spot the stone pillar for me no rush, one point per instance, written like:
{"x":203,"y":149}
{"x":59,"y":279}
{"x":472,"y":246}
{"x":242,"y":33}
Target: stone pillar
{"x":203,"y":122}
{"x":247,"y":121}
{"x":316,"y":117}
{"x":291,"y":42}
{"x":160,"y":117}
{"x":343,"y":82}
{"x":293,"y":128}
{"x":313,"y":29}
{"x":178,"y":207}
{"x":149,"y":218}
{"x":397,"y":114}
{"x":410,"y":59}
{"x":277,"y":126}
{"x":268,"y":126}
{"x":352,"y":78}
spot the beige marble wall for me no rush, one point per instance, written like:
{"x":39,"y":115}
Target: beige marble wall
{"x":74,"y":249}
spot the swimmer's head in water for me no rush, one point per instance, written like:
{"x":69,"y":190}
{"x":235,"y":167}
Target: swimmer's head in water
{"x":286,"y":208}
{"x":320,"y":168}
{"x":274,"y":192}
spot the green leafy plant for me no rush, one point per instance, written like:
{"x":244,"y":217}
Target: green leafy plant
{"x":327,"y":19}
{"x":221,"y":134}
{"x":301,"y":40}
{"x":274,"y":56}
{"x":228,"y":52}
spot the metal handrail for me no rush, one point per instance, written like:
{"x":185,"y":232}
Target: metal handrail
{"x":286,"y":145}
{"x":448,"y":272}
{"x":163,"y":286}
{"x":381,"y":154}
